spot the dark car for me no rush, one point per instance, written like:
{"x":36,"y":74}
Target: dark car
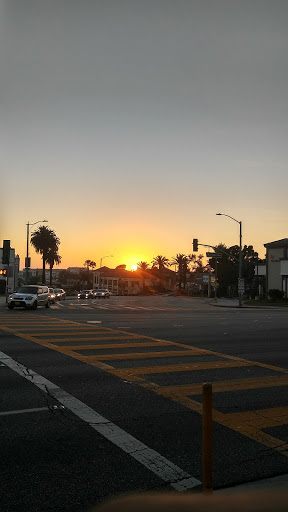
{"x":85,"y":294}
{"x":60,"y":294}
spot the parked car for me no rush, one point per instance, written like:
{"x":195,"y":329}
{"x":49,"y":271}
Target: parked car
{"x":29,"y":296}
{"x":60,"y":294}
{"x":52,"y":295}
{"x":100,"y":293}
{"x":85,"y":294}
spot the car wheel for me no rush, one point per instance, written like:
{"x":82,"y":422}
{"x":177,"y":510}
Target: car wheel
{"x":47,"y":305}
{"x":10,"y":306}
{"x":35,"y":305}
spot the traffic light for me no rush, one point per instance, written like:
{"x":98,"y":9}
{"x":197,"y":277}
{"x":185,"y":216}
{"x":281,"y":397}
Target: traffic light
{"x":195,"y":244}
{"x":3,"y":272}
{"x":6,"y":252}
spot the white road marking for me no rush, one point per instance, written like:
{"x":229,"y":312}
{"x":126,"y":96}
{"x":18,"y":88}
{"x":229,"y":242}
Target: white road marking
{"x":152,"y":460}
{"x":94,"y":321}
{"x":22,"y":411}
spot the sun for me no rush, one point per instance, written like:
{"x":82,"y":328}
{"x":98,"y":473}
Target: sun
{"x":134,"y":267}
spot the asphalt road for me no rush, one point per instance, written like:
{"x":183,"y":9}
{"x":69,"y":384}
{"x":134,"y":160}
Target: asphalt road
{"x":104,"y":397}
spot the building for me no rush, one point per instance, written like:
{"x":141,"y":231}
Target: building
{"x":37,"y":274}
{"x":12,"y":272}
{"x":125,"y":282}
{"x":277,"y":266}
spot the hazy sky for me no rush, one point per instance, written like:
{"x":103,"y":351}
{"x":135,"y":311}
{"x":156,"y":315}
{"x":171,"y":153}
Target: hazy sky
{"x":129,"y":124}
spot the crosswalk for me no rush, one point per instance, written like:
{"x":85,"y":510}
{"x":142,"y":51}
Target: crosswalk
{"x":249,"y":397}
{"x":73,"y":305}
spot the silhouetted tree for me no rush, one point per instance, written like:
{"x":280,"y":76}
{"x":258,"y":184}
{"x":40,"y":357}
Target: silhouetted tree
{"x":52,"y":258}
{"x":44,"y":240}
{"x":142,"y":267}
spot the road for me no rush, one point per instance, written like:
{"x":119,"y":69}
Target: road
{"x":104,"y":397}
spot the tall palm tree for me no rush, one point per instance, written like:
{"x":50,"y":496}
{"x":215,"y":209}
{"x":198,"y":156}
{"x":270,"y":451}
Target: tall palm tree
{"x":44,"y":240}
{"x":160,"y":262}
{"x":52,"y":258}
{"x":143,"y":266}
{"x":182,"y":262}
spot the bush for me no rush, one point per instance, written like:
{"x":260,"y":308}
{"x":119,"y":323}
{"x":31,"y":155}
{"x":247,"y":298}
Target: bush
{"x":276,"y":294}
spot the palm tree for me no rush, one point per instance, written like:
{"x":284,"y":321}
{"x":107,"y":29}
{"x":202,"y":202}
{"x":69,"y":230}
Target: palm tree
{"x":52,"y":258}
{"x":160,"y":262}
{"x":182,"y":261}
{"x":89,"y":264}
{"x":44,"y":240}
{"x":143,"y":266}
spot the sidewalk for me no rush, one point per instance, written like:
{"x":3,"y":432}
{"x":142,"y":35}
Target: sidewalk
{"x":2,"y":300}
{"x":274,"y":484}
{"x":234,"y":303}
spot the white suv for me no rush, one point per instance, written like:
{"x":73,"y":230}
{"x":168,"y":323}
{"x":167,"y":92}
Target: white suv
{"x":101,"y":293}
{"x":29,"y":296}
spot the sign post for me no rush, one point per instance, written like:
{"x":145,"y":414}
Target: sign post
{"x":241,"y":286}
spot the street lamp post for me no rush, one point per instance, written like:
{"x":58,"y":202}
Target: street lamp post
{"x":27,"y":260}
{"x":240,"y":254}
{"x":109,"y":256}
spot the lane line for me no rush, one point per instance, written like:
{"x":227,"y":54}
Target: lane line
{"x":24,"y":411}
{"x":178,"y":397}
{"x":178,"y":367}
{"x":152,"y":460}
{"x":230,"y":385}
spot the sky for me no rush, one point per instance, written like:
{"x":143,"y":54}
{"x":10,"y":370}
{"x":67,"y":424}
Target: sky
{"x":129,"y":124}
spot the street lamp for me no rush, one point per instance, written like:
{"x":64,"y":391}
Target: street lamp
{"x":109,"y":256}
{"x":27,"y":259}
{"x":240,"y":254}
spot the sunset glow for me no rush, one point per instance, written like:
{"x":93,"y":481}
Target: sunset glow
{"x":134,"y":267}
{"x":124,"y":148}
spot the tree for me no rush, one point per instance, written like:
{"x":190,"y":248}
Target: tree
{"x":142,"y":267}
{"x":160,"y":262}
{"x":228,"y":268}
{"x":196,"y":263}
{"x":52,"y":258}
{"x":89,"y":264}
{"x":182,"y":262}
{"x":44,"y":240}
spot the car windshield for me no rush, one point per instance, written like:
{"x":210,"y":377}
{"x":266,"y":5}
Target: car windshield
{"x":101,"y":291}
{"x":85,"y":291}
{"x":57,"y":290}
{"x":28,"y":289}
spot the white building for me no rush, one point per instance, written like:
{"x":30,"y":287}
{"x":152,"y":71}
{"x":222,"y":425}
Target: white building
{"x":277,"y":265}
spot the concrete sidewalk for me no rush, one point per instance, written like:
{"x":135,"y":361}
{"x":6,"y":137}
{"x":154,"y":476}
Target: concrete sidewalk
{"x":3,"y":300}
{"x":234,"y":303}
{"x":274,"y":484}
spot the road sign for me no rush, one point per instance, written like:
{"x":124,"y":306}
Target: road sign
{"x":241,"y":286}
{"x":206,"y":278}
{"x":213,"y":255}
